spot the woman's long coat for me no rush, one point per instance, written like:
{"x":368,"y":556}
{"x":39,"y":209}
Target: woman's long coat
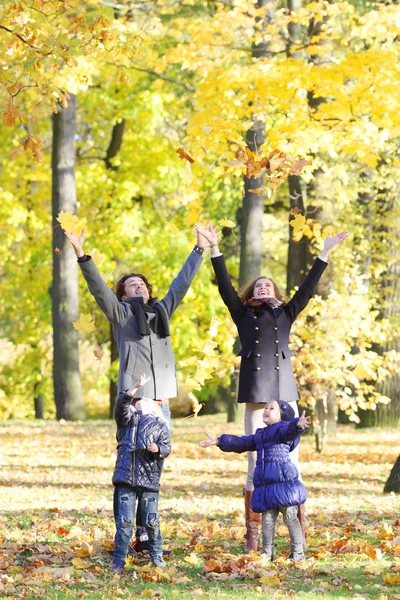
{"x":266,"y":370}
{"x":149,"y":354}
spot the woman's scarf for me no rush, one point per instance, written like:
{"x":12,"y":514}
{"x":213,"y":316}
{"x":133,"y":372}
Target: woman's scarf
{"x":260,"y":301}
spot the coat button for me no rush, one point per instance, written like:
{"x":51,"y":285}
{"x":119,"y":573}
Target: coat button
{"x":257,"y":341}
{"x":276,"y":355}
{"x":275,"y":329}
{"x":255,"y":317}
{"x":276,"y":341}
{"x":258,"y":369}
{"x":276,"y":368}
{"x":258,"y":355}
{"x":256,"y":328}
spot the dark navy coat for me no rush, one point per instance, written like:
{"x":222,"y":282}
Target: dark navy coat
{"x":266,"y":370}
{"x":276,"y":478}
{"x":135,"y":465}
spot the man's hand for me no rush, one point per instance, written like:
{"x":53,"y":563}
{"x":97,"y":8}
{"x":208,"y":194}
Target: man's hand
{"x":208,"y":235}
{"x":77,"y":242}
{"x":210,"y":442}
{"x":153,"y":448}
{"x":304,"y":422}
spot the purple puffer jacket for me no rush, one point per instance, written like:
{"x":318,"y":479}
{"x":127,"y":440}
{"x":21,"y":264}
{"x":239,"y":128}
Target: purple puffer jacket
{"x":276,"y":478}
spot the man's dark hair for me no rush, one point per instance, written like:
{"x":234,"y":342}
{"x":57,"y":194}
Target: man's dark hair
{"x":120,"y":285}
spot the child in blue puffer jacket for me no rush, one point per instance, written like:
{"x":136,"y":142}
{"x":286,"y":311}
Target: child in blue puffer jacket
{"x":143,"y":443}
{"x":276,"y":478}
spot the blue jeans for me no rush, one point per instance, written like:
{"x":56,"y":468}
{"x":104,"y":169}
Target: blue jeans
{"x":141,"y":542}
{"x":125,"y":505}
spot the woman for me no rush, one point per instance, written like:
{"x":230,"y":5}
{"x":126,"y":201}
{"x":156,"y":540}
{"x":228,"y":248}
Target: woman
{"x":264,"y":321}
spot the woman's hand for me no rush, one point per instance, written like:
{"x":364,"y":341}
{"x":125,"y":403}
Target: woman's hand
{"x":153,"y":448}
{"x":77,"y":242}
{"x":209,"y":233}
{"x":210,"y":442}
{"x":304,"y":422}
{"x":333,"y":240}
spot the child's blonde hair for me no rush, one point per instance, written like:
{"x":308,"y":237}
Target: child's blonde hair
{"x":148,"y":407}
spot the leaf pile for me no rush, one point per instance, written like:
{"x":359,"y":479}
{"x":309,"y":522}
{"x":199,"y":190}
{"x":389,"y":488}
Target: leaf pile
{"x":56,"y":524}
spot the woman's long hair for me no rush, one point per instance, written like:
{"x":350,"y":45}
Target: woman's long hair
{"x":247,"y":291}
{"x":120,"y":285}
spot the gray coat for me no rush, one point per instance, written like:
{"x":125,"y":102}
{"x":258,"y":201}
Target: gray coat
{"x":148,"y":354}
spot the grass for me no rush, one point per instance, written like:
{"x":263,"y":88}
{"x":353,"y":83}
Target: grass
{"x":56,"y":510}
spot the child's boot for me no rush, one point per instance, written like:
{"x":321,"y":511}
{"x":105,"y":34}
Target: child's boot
{"x":252,"y":523}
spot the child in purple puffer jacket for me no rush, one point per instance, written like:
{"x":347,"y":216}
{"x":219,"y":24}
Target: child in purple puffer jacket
{"x":276,"y":478}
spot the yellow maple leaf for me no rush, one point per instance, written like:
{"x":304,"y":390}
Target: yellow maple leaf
{"x":186,"y":174}
{"x":227,"y":223}
{"x":298,"y":223}
{"x":85,"y":323}
{"x":68,"y":221}
{"x":193,"y":559}
{"x":390,"y":578}
{"x":360,"y":371}
{"x":79,"y":563}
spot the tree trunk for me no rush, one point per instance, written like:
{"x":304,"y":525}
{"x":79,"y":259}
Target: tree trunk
{"x":393,"y":482}
{"x":112,"y":151}
{"x":253,"y":204}
{"x":66,"y":378}
{"x":388,"y":415}
{"x":298,"y":253}
{"x":38,"y":401}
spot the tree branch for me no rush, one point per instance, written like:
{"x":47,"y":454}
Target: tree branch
{"x":163,"y":77}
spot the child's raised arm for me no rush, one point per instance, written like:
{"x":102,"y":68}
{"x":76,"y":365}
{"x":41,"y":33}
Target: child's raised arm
{"x":123,"y":406}
{"x":230,"y":443}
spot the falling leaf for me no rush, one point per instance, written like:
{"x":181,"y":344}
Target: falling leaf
{"x":295,"y":211}
{"x":196,"y":405}
{"x":57,"y":251}
{"x":68,"y":221}
{"x":258,"y":191}
{"x":298,"y":223}
{"x":85,"y":324}
{"x":187,"y":362}
{"x":360,"y":371}
{"x":297,"y":167}
{"x":186,"y":174}
{"x":227,"y":223}
{"x":98,"y":350}
{"x":184,"y":154}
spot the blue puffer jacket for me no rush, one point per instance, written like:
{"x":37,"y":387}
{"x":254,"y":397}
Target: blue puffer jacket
{"x":135,"y":465}
{"x":276,"y":478}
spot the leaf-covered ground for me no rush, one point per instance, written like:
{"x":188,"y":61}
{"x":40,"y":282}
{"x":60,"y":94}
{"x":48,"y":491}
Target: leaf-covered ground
{"x":56,"y":527}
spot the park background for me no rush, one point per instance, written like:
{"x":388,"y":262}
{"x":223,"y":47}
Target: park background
{"x":97,"y":97}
